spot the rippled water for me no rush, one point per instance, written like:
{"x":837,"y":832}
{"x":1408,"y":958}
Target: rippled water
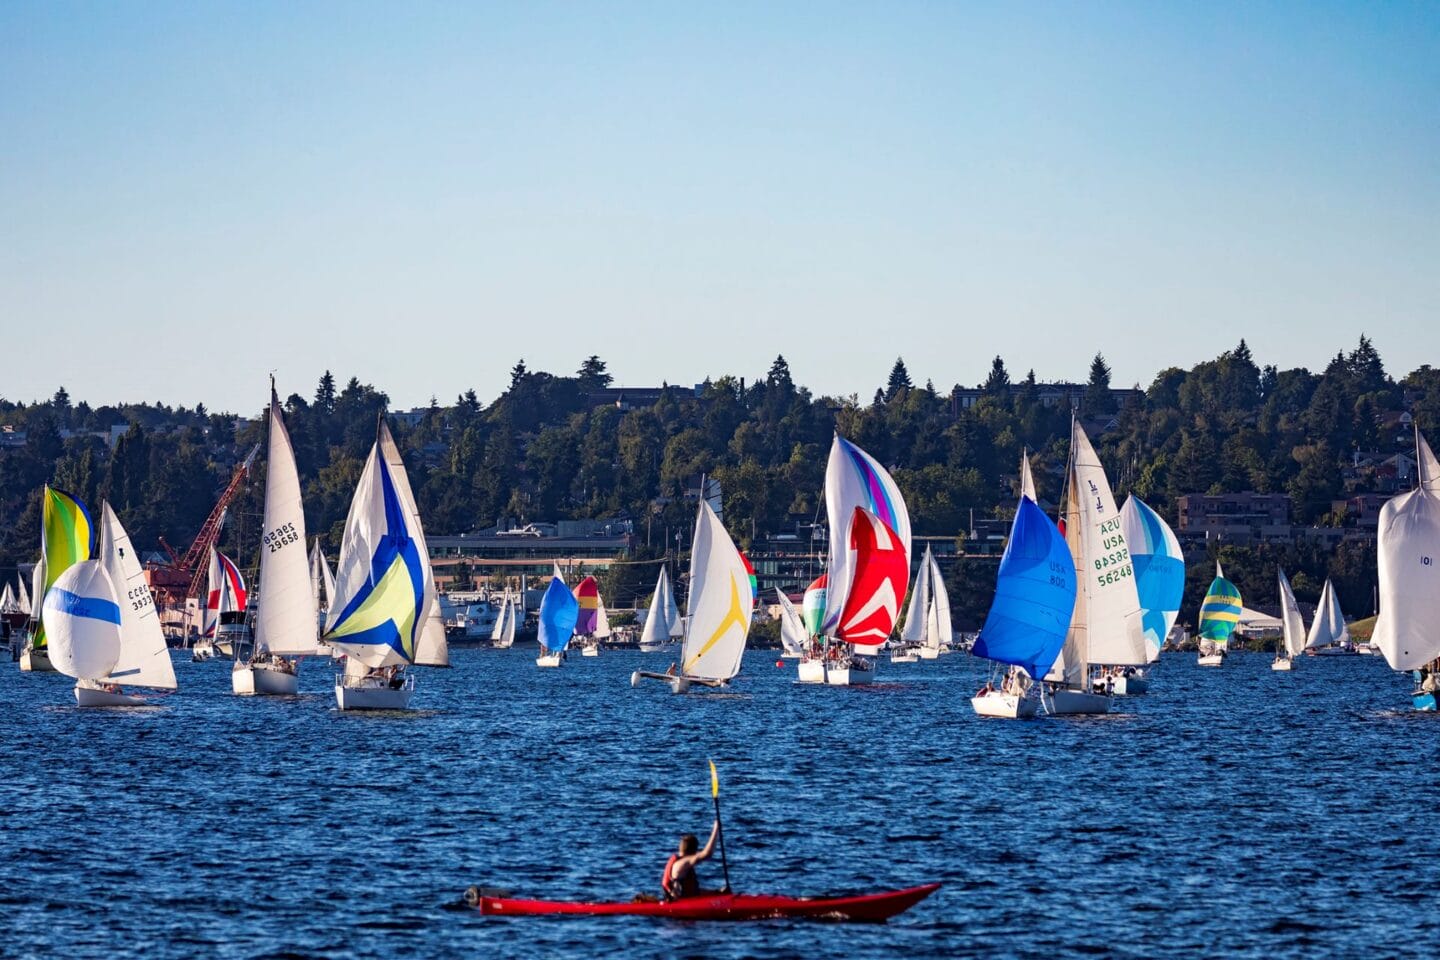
{"x":1233,"y":812}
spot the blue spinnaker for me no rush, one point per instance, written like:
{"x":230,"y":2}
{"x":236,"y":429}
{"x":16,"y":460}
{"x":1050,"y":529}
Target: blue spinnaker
{"x":1159,"y":569}
{"x":1034,"y":595}
{"x":558,"y":612}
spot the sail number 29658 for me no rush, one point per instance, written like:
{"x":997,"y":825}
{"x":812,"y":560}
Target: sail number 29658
{"x":281,"y":536}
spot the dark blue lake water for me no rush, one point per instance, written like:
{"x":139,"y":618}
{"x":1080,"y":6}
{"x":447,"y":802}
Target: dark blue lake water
{"x":1233,"y":812}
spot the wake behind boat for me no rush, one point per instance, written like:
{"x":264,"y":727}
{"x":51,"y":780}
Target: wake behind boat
{"x":857,"y":908}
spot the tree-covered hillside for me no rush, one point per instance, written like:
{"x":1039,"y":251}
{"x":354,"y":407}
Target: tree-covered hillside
{"x":556,"y":447}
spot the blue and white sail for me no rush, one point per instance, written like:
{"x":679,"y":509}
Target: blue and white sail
{"x":1034,"y":595}
{"x":384,"y":587}
{"x":1159,"y":570}
{"x":559,"y":612}
{"x":82,"y":621}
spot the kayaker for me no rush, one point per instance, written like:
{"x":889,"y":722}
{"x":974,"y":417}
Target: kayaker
{"x":679,"y":880}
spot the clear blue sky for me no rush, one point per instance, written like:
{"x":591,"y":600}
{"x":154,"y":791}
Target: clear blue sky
{"x":193,"y":195}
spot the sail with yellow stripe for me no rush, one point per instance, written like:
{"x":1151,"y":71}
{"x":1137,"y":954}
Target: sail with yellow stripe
{"x":1220,"y":613}
{"x":384,"y":587}
{"x":66,"y":539}
{"x":720,"y":603}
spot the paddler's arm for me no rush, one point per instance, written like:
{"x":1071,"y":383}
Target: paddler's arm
{"x":709,"y":847}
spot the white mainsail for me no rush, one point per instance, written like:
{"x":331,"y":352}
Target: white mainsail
{"x":286,"y":622}
{"x":8,"y":603}
{"x":1409,"y":570}
{"x":498,"y":630}
{"x":1427,"y":465}
{"x":602,"y":619}
{"x":941,"y":627}
{"x":23,"y":597}
{"x":1107,"y":626}
{"x":1027,"y":480}
{"x":144,"y":659}
{"x":432,"y":650}
{"x":792,"y":627}
{"x":663,"y":618}
{"x":1290,"y":619}
{"x":720,"y":602}
{"x":918,"y":611}
{"x":1328,"y":627}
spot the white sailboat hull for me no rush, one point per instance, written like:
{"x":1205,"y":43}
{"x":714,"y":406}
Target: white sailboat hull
{"x":1211,"y":660}
{"x":851,"y":676}
{"x":1282,"y":663}
{"x":373,"y":693}
{"x":590,"y":652}
{"x":1074,"y":702}
{"x":263,"y":679}
{"x":92,"y":696}
{"x":35,"y":661}
{"x":1007,"y":706}
{"x":929,"y":653}
{"x":812,"y":671}
{"x":202,"y":651}
{"x":904,"y":656}
{"x":868,"y":649}
{"x":549,"y":660}
{"x":1129,"y":686}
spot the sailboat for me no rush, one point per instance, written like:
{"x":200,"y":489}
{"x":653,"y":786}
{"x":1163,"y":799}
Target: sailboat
{"x":1106,"y":627}
{"x":811,"y":668}
{"x":144,"y":659}
{"x":855,"y":480}
{"x":384,"y":587}
{"x":1409,"y":592}
{"x":1219,"y":615}
{"x":792,"y":627}
{"x":322,"y":588}
{"x":718,"y":609}
{"x":285,"y":624}
{"x":1328,"y":634}
{"x":913,"y":636}
{"x":559,"y":612}
{"x":1292,"y":643}
{"x":1030,"y":615}
{"x":223,"y":626}
{"x":593,"y":623}
{"x":1159,"y":581}
{"x":662,"y":623}
{"x":503,"y":634}
{"x":66,"y":536}
{"x":939,"y":629}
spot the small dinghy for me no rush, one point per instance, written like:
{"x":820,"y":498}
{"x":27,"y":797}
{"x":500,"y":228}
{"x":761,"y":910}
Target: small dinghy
{"x":861,"y":908}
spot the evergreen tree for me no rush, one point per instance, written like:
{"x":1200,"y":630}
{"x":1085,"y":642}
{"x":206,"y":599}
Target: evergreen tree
{"x":325,"y":393}
{"x":998,"y":383}
{"x":592,"y":374}
{"x":1098,"y":399}
{"x":779,"y":375}
{"x":518,"y":373}
{"x":899,"y":379}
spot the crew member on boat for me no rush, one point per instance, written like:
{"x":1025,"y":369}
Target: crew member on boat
{"x":680,"y":880}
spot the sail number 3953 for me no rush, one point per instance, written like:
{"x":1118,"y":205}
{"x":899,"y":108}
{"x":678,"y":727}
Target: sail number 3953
{"x":281,"y":536}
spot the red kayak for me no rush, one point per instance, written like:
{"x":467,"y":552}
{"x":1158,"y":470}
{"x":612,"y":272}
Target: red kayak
{"x":865,"y":908}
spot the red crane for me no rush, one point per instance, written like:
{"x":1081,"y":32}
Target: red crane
{"x":189,"y":570}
